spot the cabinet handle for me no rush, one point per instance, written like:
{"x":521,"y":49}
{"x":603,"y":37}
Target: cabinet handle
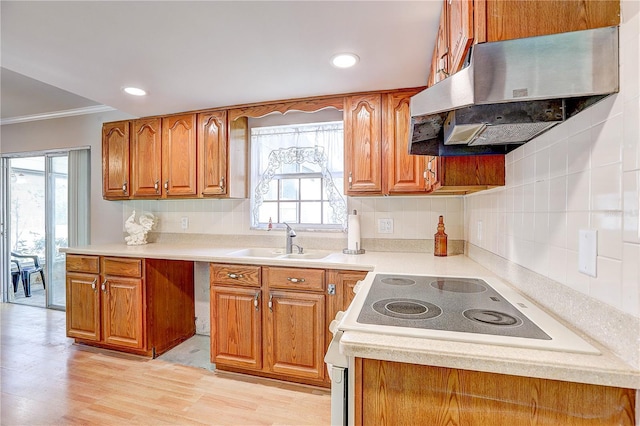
{"x":255,"y":300}
{"x":235,"y":276}
{"x":94,"y":284}
{"x":270,"y":303}
{"x":350,"y":180}
{"x":221,"y":184}
{"x":295,"y":280}
{"x":124,"y":187}
{"x":156,"y":185}
{"x":103,"y":287}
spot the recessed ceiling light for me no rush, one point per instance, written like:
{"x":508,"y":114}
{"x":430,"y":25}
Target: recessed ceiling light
{"x":344,"y":60}
{"x":134,"y":91}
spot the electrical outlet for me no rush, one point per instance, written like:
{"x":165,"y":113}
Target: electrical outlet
{"x":587,"y":251}
{"x":385,"y":226}
{"x":184,"y":222}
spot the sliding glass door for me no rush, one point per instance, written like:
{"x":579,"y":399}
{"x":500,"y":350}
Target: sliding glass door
{"x":45,"y":207}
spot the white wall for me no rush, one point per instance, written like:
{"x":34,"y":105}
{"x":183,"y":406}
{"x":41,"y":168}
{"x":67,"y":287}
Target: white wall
{"x":69,"y":132}
{"x":583,"y":174}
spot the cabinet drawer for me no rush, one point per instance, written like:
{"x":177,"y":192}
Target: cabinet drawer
{"x":122,"y":267}
{"x":244,"y":275}
{"x":81,"y":263}
{"x":295,"y":278}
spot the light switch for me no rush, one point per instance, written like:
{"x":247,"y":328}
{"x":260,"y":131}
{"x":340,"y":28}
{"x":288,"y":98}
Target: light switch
{"x":587,"y":251}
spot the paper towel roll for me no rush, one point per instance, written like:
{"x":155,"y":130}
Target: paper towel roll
{"x":353,"y":236}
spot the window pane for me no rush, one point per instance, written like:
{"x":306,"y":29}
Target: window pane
{"x":328,"y":216}
{"x":310,"y":212}
{"x":289,"y":212}
{"x":289,"y":189}
{"x":272,"y":194}
{"x":268,"y":210}
{"x":310,"y":188}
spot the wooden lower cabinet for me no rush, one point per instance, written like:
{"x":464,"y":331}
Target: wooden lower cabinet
{"x":273,"y":321}
{"x":236,"y":327}
{"x":408,"y":394}
{"x":141,"y":306}
{"x":295,"y":332}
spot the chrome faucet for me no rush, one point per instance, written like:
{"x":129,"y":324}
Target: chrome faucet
{"x":290,"y":235}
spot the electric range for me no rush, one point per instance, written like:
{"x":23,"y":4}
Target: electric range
{"x":466,"y":309}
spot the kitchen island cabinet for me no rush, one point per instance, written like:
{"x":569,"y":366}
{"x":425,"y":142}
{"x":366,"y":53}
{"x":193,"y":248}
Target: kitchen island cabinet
{"x":408,"y":394}
{"x":141,"y":306}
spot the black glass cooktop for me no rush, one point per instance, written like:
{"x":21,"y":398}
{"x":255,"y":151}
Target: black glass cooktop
{"x":444,"y":303}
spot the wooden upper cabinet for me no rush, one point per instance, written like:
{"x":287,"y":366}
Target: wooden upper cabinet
{"x":146,"y":158}
{"x":115,"y":160}
{"x":362,"y":144}
{"x":212,"y":150}
{"x":179,"y":156}
{"x":440,"y":58}
{"x":405,"y":173}
{"x":459,"y":33}
{"x":508,"y":19}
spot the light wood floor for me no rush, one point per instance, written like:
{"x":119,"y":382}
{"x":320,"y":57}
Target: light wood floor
{"x":47,"y":380}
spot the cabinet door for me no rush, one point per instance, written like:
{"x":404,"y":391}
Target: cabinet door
{"x":212,"y":149}
{"x":460,"y":34}
{"x":146,"y":158}
{"x":295,"y":334}
{"x":509,"y":19}
{"x":179,"y":155}
{"x":236,"y":327}
{"x":115,"y":160}
{"x":440,"y":59}
{"x":123,"y":312}
{"x":363,"y":144}
{"x":405,"y":173}
{"x":343,"y":282}
{"x":83,"y":306}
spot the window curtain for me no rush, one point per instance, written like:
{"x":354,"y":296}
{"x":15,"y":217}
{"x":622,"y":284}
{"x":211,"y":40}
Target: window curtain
{"x":79,"y":197}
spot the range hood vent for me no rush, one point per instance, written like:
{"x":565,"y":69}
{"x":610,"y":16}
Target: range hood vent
{"x":512,"y":91}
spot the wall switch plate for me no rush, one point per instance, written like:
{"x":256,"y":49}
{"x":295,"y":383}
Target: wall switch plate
{"x":587,"y":251}
{"x":385,"y":226}
{"x":184,"y":222}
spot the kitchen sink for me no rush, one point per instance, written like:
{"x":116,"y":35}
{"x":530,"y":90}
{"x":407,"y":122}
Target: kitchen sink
{"x":310,"y":255}
{"x":258,"y":252}
{"x":273,"y":253}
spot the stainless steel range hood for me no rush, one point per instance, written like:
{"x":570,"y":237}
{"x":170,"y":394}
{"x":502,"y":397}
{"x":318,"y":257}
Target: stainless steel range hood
{"x":512,"y":91}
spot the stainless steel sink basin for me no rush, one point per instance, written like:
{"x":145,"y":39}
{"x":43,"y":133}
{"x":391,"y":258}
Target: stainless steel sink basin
{"x":273,"y":253}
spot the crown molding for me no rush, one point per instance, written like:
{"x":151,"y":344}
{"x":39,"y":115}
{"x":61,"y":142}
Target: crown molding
{"x":56,"y":114}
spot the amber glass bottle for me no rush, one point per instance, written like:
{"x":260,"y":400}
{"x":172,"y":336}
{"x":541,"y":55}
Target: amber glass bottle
{"x":440,"y":245}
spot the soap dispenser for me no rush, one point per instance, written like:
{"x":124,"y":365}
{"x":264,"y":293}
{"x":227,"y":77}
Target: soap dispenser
{"x":440,"y":239}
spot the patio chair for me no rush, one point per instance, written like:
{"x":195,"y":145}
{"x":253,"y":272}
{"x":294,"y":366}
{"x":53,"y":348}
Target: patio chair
{"x":25,"y":269}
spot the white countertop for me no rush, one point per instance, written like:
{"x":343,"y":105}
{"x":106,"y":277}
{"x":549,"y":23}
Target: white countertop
{"x":603,"y":369}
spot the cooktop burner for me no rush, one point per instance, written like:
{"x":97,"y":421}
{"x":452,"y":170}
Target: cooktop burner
{"x":467,"y":305}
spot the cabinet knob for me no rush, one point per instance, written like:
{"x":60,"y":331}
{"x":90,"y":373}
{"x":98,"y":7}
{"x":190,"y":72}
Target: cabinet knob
{"x":156,"y":186}
{"x":350,"y":180}
{"x":270,"y":303}
{"x":124,"y":187}
{"x":221,"y":183}
{"x":103,"y":287}
{"x":295,"y":280}
{"x":235,"y":276}
{"x":94,"y":284}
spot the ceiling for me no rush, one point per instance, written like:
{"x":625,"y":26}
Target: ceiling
{"x":59,"y":56}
